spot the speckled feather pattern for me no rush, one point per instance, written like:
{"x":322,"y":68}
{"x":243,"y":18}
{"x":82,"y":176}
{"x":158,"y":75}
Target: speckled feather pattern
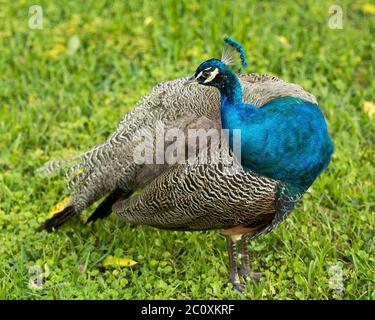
{"x":201,"y":197}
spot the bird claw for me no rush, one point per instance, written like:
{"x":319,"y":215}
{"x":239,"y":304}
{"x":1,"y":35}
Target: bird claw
{"x":251,"y":274}
{"x":246,"y":274}
{"x":238,"y":286}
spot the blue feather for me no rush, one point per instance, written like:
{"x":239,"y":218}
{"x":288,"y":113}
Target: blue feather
{"x":286,"y":139}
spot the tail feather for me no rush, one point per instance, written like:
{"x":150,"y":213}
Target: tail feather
{"x":102,"y":211}
{"x":58,"y":219}
{"x":105,"y":207}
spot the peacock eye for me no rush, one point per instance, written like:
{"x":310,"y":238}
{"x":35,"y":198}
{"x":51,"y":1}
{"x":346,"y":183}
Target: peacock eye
{"x":206,"y":74}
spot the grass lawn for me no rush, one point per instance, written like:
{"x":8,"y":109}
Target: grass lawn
{"x":64,"y":88}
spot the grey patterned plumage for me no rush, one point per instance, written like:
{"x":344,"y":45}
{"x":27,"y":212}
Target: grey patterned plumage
{"x":202,"y":197}
{"x":180,"y":197}
{"x":110,"y":165}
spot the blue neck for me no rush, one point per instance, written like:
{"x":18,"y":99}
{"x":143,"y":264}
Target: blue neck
{"x":230,"y":90}
{"x":232,"y":100}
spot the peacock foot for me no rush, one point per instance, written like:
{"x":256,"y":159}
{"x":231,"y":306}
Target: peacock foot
{"x":248,"y":274}
{"x":237,"y":285}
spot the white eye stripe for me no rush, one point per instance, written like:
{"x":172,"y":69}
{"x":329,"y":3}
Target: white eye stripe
{"x":200,"y":73}
{"x":212,"y":75}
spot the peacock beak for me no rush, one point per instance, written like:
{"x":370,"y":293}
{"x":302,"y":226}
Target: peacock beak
{"x":190,"y":81}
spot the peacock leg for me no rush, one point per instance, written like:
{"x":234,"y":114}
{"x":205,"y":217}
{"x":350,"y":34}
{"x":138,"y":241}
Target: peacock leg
{"x":232,"y":253}
{"x":245,"y":263}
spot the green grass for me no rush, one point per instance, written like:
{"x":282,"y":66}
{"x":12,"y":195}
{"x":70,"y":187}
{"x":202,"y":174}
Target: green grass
{"x":53,"y":105}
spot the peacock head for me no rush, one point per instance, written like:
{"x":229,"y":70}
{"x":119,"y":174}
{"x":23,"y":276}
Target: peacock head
{"x":216,"y":72}
{"x":210,"y":73}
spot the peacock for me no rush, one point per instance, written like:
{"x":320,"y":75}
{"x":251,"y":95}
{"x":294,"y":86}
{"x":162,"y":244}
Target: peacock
{"x":245,"y":192}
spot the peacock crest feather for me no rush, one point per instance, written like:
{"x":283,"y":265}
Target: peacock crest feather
{"x":233,"y":54}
